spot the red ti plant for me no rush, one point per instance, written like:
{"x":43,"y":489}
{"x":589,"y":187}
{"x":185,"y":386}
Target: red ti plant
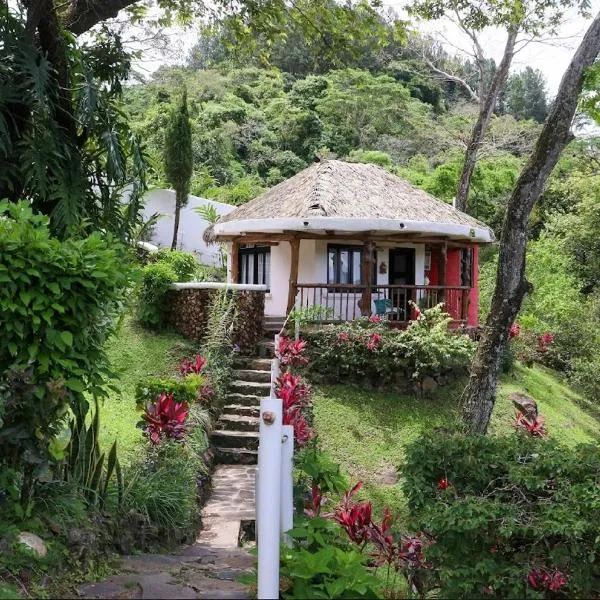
{"x":302,"y":431}
{"x":291,"y":352}
{"x":165,"y":418}
{"x":355,"y":518}
{"x":313,"y":508}
{"x":545,"y":340}
{"x":292,"y":390}
{"x":534,"y":425}
{"x":192,"y":365}
{"x":514,"y":331}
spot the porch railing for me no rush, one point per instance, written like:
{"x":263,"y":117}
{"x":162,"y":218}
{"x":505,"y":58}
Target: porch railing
{"x":330,"y":303}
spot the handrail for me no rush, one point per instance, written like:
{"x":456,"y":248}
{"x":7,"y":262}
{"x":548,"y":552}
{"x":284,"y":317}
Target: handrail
{"x":360,"y":286}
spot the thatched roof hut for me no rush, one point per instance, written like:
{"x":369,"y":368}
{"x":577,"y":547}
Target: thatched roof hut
{"x":337,"y":196}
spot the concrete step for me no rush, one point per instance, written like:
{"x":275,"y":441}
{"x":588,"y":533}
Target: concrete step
{"x":256,"y":364}
{"x":252,"y":375}
{"x":236,"y":456}
{"x":251,"y":388}
{"x":232,"y":422}
{"x":240,"y":399}
{"x":222,"y":438}
{"x":241,"y":410}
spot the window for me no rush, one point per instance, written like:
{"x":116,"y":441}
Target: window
{"x":466,"y":267}
{"x":344,"y":265}
{"x":255,"y":265}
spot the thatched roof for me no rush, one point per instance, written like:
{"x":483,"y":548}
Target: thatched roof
{"x":346,"y":192}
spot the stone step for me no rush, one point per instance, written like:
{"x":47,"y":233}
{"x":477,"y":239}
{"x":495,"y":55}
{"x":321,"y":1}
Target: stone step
{"x":240,"y":409}
{"x":252,"y":375}
{"x":232,"y":422}
{"x":236,"y":456}
{"x":239,"y":399}
{"x":222,"y":438}
{"x":251,"y":388}
{"x":256,"y":364}
{"x":266,"y":349}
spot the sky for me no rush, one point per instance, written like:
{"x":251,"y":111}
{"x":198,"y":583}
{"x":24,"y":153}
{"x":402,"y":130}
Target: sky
{"x":551,"y":57}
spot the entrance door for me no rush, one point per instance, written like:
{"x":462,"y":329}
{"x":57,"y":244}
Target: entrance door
{"x":401,"y":272}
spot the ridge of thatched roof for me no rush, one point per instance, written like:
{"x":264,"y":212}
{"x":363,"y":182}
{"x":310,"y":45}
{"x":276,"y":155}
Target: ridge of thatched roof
{"x":346,"y":190}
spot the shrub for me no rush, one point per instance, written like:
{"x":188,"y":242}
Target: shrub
{"x":368,"y":350}
{"x":516,"y":514}
{"x":59,"y":301}
{"x":184,"y":264}
{"x":183,"y":390}
{"x":157,"y":279}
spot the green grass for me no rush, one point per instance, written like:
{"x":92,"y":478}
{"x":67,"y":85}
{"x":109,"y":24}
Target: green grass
{"x":367,"y":431}
{"x":135,"y":354}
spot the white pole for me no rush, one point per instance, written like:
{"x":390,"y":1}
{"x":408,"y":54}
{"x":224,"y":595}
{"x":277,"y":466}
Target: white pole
{"x":287,"y":482}
{"x":269,"y":498}
{"x":297,"y":320}
{"x":275,"y":371}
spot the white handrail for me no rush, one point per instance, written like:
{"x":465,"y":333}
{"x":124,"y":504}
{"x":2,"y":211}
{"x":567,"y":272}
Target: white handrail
{"x":217,"y":285}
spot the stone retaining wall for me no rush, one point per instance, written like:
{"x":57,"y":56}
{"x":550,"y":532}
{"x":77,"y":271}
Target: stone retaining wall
{"x":189,"y":308}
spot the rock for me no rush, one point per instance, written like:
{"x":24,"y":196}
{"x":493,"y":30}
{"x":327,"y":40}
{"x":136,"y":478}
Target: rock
{"x":33,"y":542}
{"x":387,"y":476}
{"x":428,"y":385}
{"x":525,"y":404}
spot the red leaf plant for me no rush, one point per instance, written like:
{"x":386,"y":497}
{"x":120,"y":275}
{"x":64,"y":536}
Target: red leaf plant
{"x":514,"y":331}
{"x":553,"y":581}
{"x":374,"y":342}
{"x":343,"y":337}
{"x":205,"y":393}
{"x":545,"y":340}
{"x":192,"y":365}
{"x":302,"y":431}
{"x":291,"y":352}
{"x":317,"y":500}
{"x":443,"y":484}
{"x":534,"y":426}
{"x":292,"y":390}
{"x":376,"y":319}
{"x":355,"y":518}
{"x":166,"y":418}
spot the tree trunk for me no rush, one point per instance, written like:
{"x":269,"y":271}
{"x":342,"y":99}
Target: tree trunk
{"x":483,"y":120}
{"x":178,"y":205}
{"x":511,"y":285}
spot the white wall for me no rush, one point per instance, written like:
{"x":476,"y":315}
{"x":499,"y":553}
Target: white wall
{"x":191,"y":224}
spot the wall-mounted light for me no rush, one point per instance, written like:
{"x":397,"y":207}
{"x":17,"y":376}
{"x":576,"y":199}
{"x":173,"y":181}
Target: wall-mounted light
{"x":383,"y":268}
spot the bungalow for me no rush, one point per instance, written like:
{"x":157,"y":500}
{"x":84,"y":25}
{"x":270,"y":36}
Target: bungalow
{"x":342,"y":239}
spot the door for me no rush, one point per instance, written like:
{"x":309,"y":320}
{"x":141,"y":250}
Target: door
{"x":401,"y":272}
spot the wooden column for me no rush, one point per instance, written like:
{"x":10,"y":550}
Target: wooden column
{"x":443,"y":266}
{"x":293,"y":287}
{"x":235,"y":262}
{"x":367,"y":276}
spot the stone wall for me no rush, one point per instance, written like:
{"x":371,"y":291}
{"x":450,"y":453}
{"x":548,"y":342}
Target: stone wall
{"x":189,"y":309}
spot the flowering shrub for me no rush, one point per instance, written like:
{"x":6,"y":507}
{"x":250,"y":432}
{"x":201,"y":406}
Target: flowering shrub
{"x":295,"y":395}
{"x":520,"y":515}
{"x":165,"y":418}
{"x":291,"y":352}
{"x":364,"y":350}
{"x":192,"y":365}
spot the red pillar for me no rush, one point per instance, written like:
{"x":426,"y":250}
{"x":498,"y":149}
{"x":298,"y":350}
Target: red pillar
{"x":473,"y":314}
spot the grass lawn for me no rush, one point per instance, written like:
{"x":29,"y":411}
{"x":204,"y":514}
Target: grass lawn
{"x":135,"y":354}
{"x":366,"y":431}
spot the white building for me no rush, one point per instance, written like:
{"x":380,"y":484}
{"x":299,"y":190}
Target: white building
{"x":191,"y":224}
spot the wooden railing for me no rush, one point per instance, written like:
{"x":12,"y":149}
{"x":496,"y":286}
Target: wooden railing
{"x":330,"y":303}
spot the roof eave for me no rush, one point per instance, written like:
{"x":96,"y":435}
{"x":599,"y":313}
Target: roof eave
{"x":475,"y":233}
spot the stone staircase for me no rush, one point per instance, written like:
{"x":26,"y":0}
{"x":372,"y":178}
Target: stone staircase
{"x":235,"y":438}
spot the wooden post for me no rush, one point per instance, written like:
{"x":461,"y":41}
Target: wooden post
{"x":367,"y":276}
{"x":442,"y":270}
{"x":293,"y":287}
{"x":235,"y":262}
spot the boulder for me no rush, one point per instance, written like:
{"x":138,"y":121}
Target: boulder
{"x":33,"y":542}
{"x":525,"y":405}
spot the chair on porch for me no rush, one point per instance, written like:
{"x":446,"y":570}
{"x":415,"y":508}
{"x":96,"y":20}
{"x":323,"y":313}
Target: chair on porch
{"x":383,"y":307}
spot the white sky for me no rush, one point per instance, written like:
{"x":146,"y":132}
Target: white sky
{"x":551,"y":57}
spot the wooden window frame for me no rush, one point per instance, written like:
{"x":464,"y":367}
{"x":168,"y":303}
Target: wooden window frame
{"x":350,"y":249}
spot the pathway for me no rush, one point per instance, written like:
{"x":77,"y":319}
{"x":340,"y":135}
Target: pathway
{"x":211,"y":566}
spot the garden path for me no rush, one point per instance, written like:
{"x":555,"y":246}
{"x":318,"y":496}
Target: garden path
{"x":210,"y":567}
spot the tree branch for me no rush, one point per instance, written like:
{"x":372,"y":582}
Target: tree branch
{"x":455,"y":78}
{"x":82,"y":15}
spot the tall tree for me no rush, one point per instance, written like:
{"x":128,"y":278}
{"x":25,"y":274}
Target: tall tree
{"x":525,"y":95}
{"x":511,"y":284}
{"x":523,"y":21}
{"x":179,"y":162}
